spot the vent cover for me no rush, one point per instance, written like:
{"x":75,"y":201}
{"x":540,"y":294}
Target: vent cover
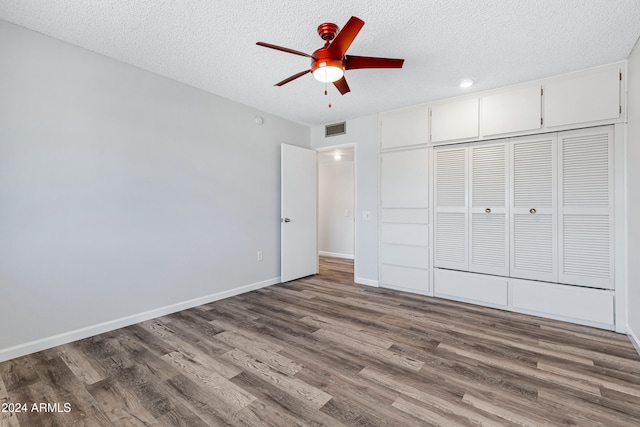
{"x":335,"y":129}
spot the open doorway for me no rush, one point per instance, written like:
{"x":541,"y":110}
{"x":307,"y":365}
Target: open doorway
{"x":336,"y":203}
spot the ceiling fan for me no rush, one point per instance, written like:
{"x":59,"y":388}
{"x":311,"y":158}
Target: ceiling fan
{"x":329,"y":63}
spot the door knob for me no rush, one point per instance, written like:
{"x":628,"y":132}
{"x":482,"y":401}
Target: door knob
{"x":532,"y":210}
{"x":488,"y":210}
{"x":287,"y":220}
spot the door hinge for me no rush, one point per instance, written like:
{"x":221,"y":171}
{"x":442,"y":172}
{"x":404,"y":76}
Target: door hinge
{"x":620,"y":111}
{"x":541,"y":91}
{"x":620,"y":75}
{"x":541,"y":121}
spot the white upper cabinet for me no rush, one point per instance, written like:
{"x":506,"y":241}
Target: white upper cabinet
{"x":403,"y":128}
{"x":588,"y":96}
{"x":454,"y":120}
{"x":513,"y":110}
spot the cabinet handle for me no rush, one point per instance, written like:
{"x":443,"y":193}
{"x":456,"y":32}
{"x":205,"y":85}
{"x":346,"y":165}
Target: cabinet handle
{"x":488,"y":210}
{"x":532,"y":210}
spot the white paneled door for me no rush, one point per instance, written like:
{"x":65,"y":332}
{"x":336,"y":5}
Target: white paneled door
{"x":299,"y":222}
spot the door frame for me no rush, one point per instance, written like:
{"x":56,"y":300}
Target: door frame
{"x":355,"y":194}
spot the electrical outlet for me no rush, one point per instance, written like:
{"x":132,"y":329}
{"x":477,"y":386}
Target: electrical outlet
{"x":259,"y":255}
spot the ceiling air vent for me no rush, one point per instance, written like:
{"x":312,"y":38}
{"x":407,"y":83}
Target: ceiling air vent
{"x":335,"y":129}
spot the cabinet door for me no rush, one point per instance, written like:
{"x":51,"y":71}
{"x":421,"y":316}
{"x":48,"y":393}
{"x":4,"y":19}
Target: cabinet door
{"x":514,"y":110}
{"x":585,"y":166}
{"x":404,"y":179}
{"x":588,"y":96}
{"x":403,"y":128}
{"x":404,"y":225}
{"x":454,"y":120}
{"x":533,"y":225}
{"x":451,"y":201}
{"x":489,"y":203}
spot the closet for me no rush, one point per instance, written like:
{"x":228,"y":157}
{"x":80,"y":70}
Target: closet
{"x":534,"y":215}
{"x":505,"y":198}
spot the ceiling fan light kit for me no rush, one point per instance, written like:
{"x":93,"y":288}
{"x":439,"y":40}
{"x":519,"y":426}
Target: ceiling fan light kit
{"x":329,"y":63}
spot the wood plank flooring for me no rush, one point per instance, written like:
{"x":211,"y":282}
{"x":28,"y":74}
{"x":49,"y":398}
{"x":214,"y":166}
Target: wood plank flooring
{"x":324,"y":351}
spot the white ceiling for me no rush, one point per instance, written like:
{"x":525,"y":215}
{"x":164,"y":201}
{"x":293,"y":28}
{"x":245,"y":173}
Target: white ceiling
{"x":210,"y":44}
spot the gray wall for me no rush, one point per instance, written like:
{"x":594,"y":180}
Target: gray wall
{"x":364,"y":133}
{"x":123,"y":192}
{"x":633,"y":193}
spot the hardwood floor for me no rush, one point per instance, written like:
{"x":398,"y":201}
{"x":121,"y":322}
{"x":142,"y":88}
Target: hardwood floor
{"x":324,"y":351}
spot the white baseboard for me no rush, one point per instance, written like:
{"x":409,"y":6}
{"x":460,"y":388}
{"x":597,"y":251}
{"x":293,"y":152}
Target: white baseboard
{"x":335,"y":255}
{"x":368,"y":282}
{"x":634,"y":339}
{"x":89,"y":331}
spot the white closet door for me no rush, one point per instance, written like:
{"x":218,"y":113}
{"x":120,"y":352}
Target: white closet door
{"x":585,"y":165}
{"x":533,"y":225}
{"x":451,"y":202}
{"x":489,"y":223}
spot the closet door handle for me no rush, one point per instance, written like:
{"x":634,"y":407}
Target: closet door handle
{"x":532,"y":210}
{"x":488,"y":210}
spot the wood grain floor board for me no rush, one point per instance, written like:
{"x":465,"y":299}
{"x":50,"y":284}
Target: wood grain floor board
{"x":323,"y":351}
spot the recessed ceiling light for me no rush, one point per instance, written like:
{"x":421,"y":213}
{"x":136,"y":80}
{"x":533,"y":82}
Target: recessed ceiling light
{"x":337,"y":157}
{"x":465,"y":83}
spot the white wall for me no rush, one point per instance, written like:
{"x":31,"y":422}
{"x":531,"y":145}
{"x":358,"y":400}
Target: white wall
{"x":335,"y":209}
{"x":124,"y":194}
{"x":633,"y":194}
{"x":364,"y":133}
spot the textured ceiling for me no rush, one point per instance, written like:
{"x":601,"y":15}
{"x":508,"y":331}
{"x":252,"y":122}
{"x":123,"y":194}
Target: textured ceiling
{"x":210,"y":44}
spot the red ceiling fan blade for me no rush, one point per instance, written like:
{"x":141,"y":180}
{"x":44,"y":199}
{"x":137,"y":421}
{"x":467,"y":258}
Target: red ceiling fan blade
{"x":295,"y":76}
{"x":342,"y":86}
{"x":283,"y":49}
{"x":355,"y":62}
{"x":345,"y":37}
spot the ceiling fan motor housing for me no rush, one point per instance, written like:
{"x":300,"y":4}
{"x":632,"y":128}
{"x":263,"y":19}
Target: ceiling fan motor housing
{"x":328,"y":31}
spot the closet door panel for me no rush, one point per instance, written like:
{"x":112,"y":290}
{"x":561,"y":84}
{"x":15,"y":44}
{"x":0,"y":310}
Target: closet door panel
{"x":586,"y":207}
{"x":451,"y":231}
{"x":489,"y":237}
{"x":533,"y":225}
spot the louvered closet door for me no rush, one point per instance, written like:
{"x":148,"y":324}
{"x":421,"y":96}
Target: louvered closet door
{"x":489,"y":223}
{"x":585,"y":166}
{"x":450,"y":172}
{"x":533,"y":225}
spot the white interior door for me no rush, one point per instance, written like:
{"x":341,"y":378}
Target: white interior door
{"x":299,"y":222}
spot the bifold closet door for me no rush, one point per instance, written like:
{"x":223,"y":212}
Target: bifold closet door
{"x":489,"y":204}
{"x":533,"y":211}
{"x":585,"y":165}
{"x":450,"y":210}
